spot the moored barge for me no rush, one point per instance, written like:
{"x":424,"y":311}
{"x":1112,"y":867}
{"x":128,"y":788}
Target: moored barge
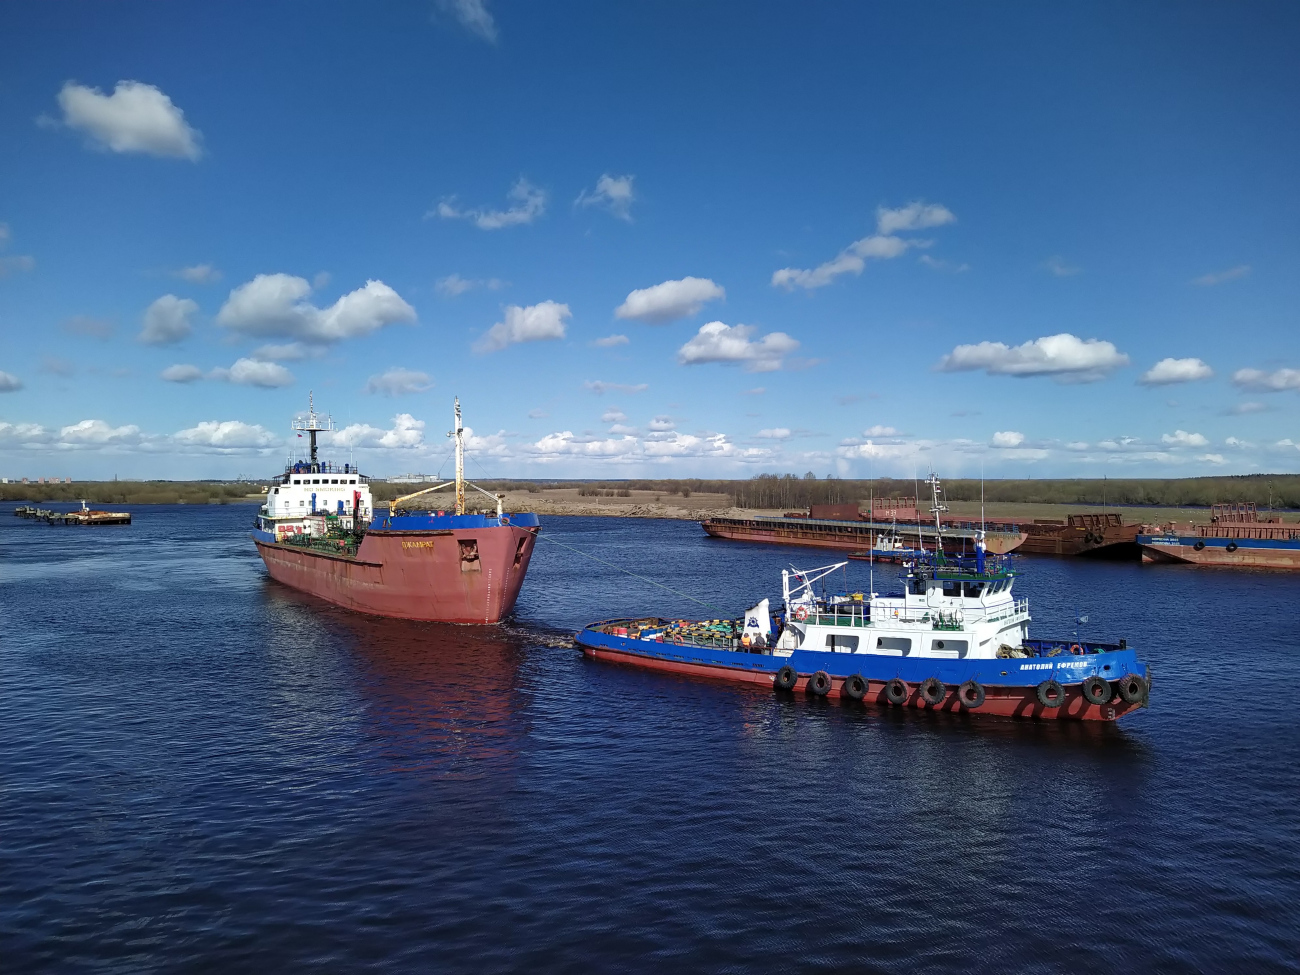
{"x":1235,"y":538}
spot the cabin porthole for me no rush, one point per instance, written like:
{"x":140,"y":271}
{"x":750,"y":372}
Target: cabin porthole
{"x":938,"y":644}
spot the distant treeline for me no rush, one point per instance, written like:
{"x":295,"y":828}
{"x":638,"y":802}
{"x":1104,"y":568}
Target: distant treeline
{"x":792,"y":491}
{"x":764,"y":491}
{"x":132,"y":492}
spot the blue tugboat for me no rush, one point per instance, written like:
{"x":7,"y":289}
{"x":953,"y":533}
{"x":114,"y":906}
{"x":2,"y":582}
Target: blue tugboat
{"x":954,"y":640}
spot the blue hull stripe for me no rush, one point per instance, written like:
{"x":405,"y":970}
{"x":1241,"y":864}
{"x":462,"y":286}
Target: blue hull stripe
{"x":1019,"y":672}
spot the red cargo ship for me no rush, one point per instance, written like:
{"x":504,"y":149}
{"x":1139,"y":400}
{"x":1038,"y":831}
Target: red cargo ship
{"x":319,"y":532}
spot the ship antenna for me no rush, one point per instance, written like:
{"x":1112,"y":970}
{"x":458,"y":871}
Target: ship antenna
{"x":459,"y":433}
{"x":871,"y":535}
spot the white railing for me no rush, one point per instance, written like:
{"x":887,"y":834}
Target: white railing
{"x":1017,"y":608}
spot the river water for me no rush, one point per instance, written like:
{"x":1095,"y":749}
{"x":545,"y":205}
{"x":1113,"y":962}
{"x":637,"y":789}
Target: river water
{"x":201,"y":770}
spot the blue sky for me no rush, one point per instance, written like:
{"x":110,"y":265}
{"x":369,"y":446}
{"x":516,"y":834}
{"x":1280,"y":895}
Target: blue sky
{"x":1044,"y":240}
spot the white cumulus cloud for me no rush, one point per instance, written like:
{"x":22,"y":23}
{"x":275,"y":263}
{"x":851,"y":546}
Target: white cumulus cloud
{"x":851,"y":260}
{"x":399,"y":382}
{"x":914,"y":216}
{"x":1268,"y":382}
{"x":613,"y":415}
{"x":600,"y":386}
{"x":181,"y":373}
{"x":97,"y":432}
{"x":406,"y":432}
{"x":255,"y":372}
{"x":199,"y":274}
{"x":226,"y":435}
{"x":880,"y":431}
{"x":1064,"y":357}
{"x":135,"y":118}
{"x":534,"y":323}
{"x":276,"y":306}
{"x":670,"y":300}
{"x":167,"y":320}
{"x":1181,"y":438}
{"x":9,"y":383}
{"x":882,"y":245}
{"x":612,"y":193}
{"x":610,"y":341}
{"x":661,"y":424}
{"x":1008,"y":438}
{"x":717,"y":342}
{"x":1169,"y":371}
{"x":774,"y":433}
{"x":529,"y":203}
{"x":453,"y":285}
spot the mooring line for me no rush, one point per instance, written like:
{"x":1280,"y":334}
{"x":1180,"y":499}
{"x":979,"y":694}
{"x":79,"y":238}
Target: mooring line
{"x":676,"y":592}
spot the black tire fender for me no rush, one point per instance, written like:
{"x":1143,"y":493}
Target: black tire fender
{"x":854,"y":686}
{"x":819,"y":683}
{"x":897,"y":691}
{"x":933,"y":691}
{"x":1096,"y":690}
{"x":1198,"y":546}
{"x":786,"y":678}
{"x":1050,"y":693}
{"x":971,"y":694}
{"x":1232,"y":546}
{"x":1132,"y":689}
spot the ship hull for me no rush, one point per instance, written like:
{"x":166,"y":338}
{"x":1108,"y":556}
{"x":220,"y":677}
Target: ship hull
{"x":1236,"y":553}
{"x":452,"y":576}
{"x":1015,"y":698}
{"x":846,"y":537}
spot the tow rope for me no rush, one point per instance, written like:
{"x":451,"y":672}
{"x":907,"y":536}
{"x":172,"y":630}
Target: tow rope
{"x":675,"y":592}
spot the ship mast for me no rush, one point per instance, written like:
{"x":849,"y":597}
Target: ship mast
{"x":458,"y":432}
{"x":937,"y":510}
{"x":311,"y":423}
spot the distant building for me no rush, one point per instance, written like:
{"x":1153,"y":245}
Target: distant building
{"x":414,"y":479}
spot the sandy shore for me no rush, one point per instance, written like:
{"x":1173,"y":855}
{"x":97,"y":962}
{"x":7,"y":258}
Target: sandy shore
{"x":650,"y":504}
{"x":640,"y":504}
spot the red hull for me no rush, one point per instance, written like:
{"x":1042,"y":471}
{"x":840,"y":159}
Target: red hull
{"x":1009,"y":702}
{"x":1242,"y":558}
{"x":855,"y":540}
{"x":418,"y":575}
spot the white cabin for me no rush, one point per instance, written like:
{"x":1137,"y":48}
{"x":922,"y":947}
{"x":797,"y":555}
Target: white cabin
{"x":313,"y":496}
{"x":947,"y":610}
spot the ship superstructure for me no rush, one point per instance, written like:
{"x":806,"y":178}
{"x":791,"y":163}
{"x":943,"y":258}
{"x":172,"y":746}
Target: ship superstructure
{"x":320,"y":532}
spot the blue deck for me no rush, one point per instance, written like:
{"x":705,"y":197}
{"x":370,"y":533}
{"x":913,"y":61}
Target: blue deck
{"x":417,"y":521}
{"x":1190,"y":541}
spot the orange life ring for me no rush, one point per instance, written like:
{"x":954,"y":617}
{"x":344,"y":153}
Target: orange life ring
{"x":801,"y":614}
{"x":1075,"y":648}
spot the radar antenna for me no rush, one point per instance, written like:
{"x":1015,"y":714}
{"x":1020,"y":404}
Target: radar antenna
{"x":312,"y":423}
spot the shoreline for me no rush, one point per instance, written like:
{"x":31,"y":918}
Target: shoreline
{"x":695,"y":507}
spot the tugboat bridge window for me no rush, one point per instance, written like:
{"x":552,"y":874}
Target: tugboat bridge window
{"x":842,"y":644}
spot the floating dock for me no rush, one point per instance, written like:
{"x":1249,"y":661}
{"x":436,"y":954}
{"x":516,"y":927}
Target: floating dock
{"x":85,"y":516}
